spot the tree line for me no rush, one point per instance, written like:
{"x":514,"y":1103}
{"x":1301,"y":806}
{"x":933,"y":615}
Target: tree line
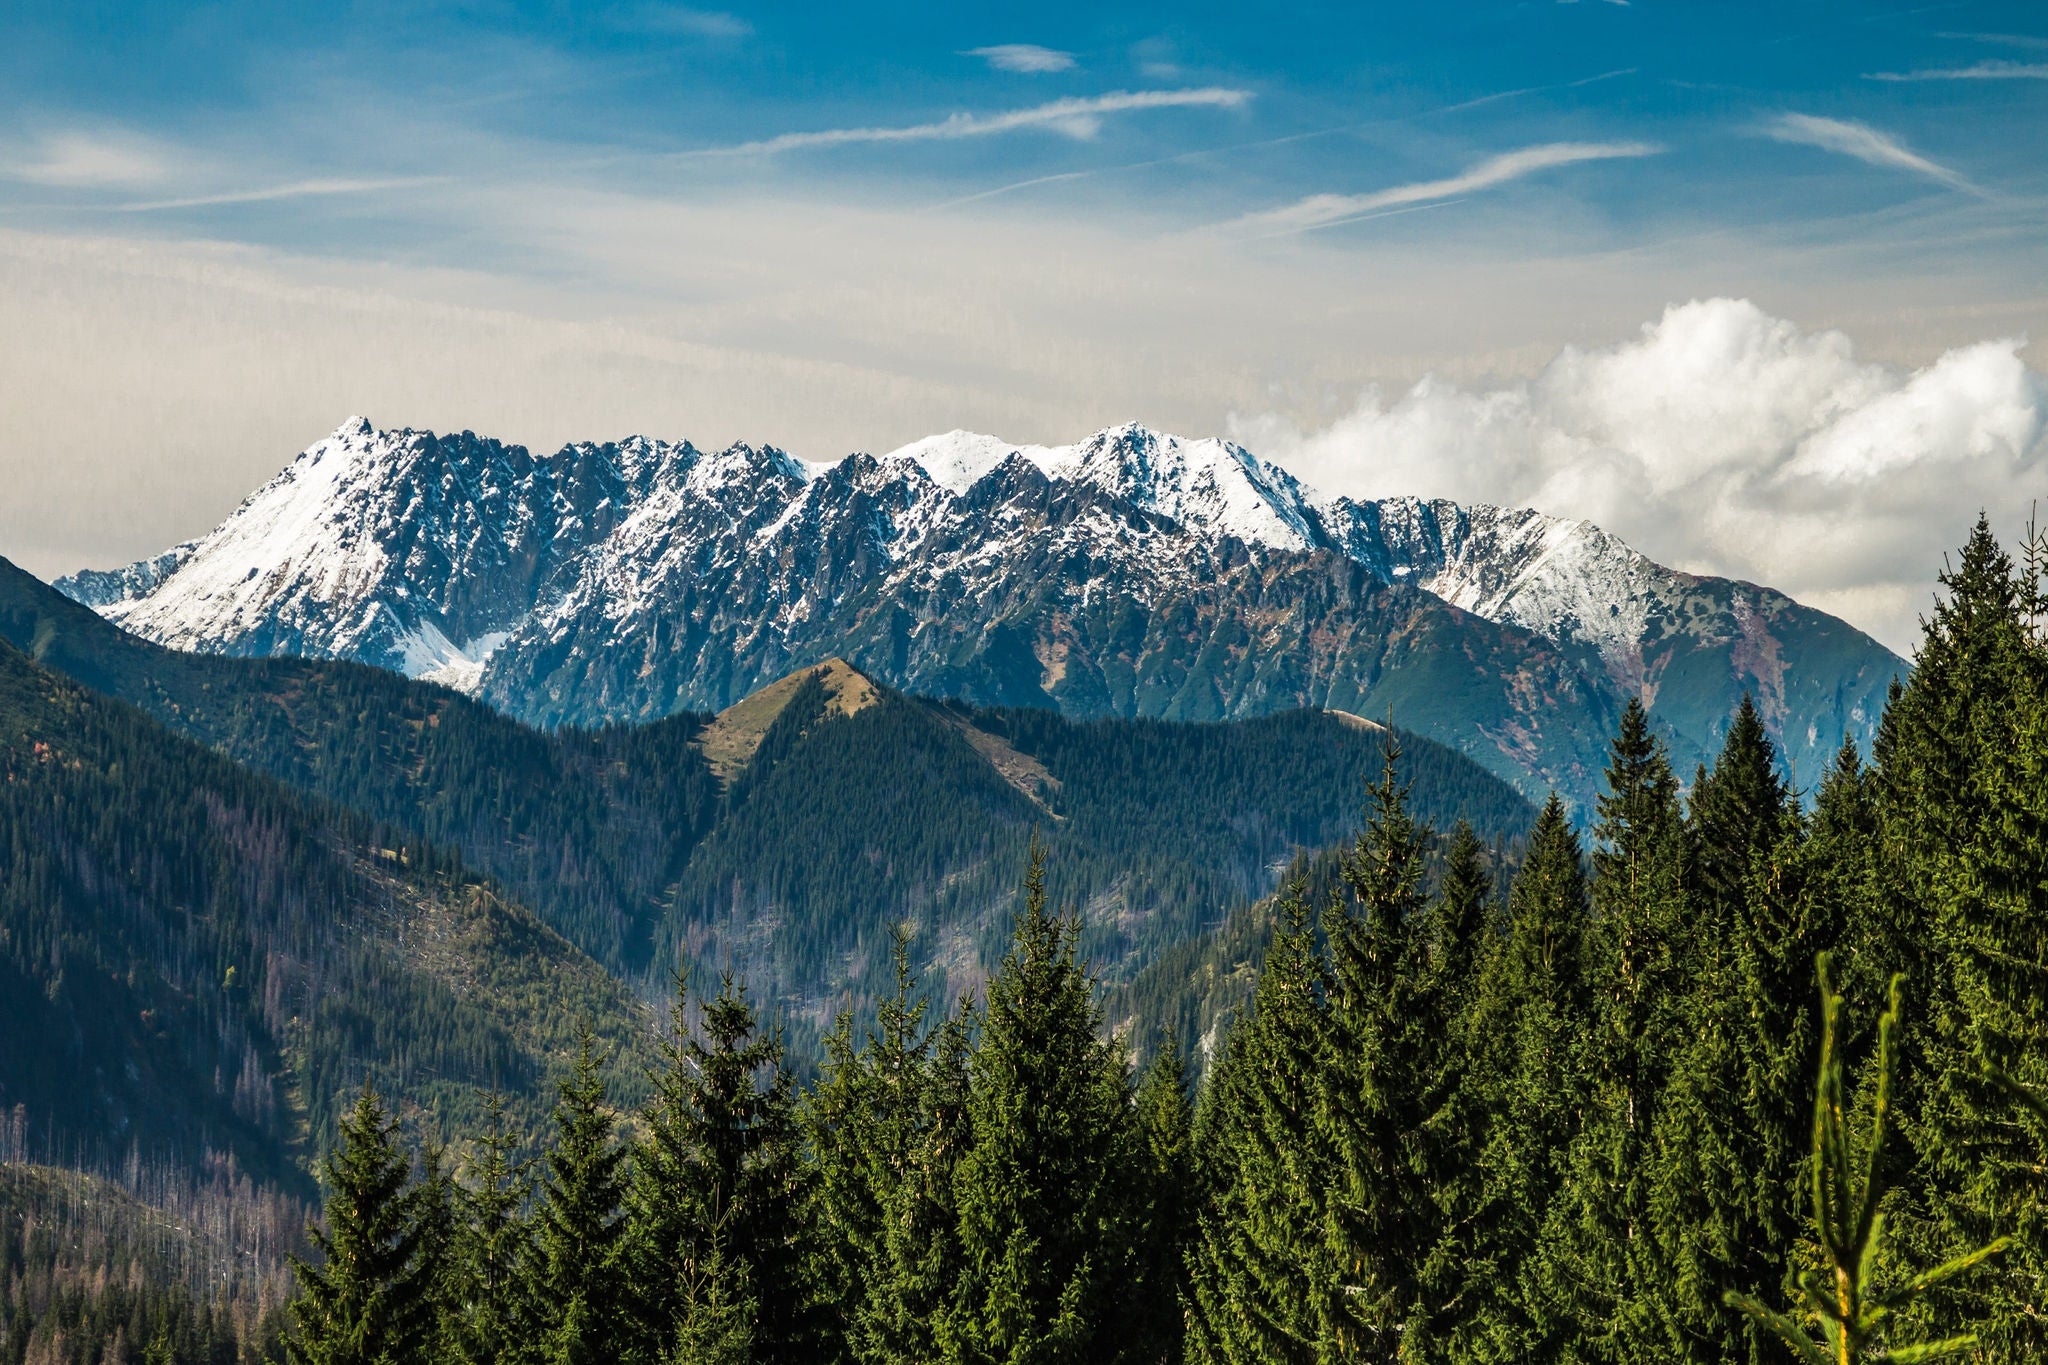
{"x":1579,"y":1125}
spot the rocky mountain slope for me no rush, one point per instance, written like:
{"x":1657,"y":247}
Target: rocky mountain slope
{"x":1133,"y":574}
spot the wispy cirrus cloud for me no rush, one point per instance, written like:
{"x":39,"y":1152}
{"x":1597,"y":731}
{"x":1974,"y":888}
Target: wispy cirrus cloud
{"x":1329,"y":210}
{"x":1028,"y":58}
{"x":682,"y":21}
{"x":1980,"y":71}
{"x":1076,"y":118}
{"x":1999,"y":39}
{"x":176,"y":177}
{"x":298,"y":189}
{"x":82,"y":160}
{"x":1866,"y":144}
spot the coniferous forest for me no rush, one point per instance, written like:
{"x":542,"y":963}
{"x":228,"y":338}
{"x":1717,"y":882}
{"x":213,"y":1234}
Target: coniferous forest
{"x":1729,"y":1073}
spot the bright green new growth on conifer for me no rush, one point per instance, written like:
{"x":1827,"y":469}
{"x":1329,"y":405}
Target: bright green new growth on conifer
{"x":1841,"y":1299}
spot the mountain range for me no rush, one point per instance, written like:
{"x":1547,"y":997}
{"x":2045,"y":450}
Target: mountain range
{"x":1135,"y":574}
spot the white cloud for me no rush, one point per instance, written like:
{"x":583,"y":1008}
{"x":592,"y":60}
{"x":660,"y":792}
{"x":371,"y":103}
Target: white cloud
{"x":1982,"y":71}
{"x":2001,"y":39}
{"x":1863,"y":142}
{"x":298,"y":189}
{"x":683,"y":21}
{"x":1328,"y":210}
{"x":1724,"y":441}
{"x":1078,"y":118}
{"x":1158,"y":58}
{"x":80,"y":160}
{"x":180,"y":177}
{"x":1028,"y":58}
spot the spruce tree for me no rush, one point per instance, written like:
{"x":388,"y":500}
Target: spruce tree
{"x":1845,"y":876}
{"x":1155,"y":1321}
{"x":1964,"y":809}
{"x":1724,"y":1160}
{"x":883,"y":1137}
{"x":1531,"y":1018}
{"x":1043,"y":1204}
{"x":1457,"y":938}
{"x":720,"y":1162}
{"x":1738,"y":812}
{"x":492,"y":1318}
{"x":1382,"y":1221}
{"x":661,"y":1224}
{"x":436,"y":1214}
{"x":1259,"y":1264}
{"x":578,"y":1278}
{"x":370,"y":1300}
{"x":1597,"y":1254}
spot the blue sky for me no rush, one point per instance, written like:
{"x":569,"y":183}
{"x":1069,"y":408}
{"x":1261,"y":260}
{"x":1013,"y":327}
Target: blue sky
{"x":396,"y":106}
{"x":223,"y":227}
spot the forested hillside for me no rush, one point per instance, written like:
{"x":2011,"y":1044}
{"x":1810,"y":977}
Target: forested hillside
{"x":793,"y":863}
{"x":1616,"y":1116}
{"x":1546,"y":1093}
{"x":145,"y":1265}
{"x":197,"y":964}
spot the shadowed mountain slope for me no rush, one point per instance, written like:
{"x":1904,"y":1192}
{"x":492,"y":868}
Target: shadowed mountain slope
{"x":198,"y":963}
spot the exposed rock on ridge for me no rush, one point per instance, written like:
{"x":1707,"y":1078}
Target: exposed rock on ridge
{"x":1135,"y":573}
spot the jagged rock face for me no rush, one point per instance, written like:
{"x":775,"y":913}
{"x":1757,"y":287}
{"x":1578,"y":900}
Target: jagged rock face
{"x":1134,"y":574}
{"x":98,"y":588}
{"x":402,"y":549}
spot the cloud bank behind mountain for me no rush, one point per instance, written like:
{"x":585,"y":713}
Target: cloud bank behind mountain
{"x":1722,"y":440}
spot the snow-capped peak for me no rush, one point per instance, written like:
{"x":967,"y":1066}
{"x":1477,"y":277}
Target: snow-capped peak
{"x":711,"y":473}
{"x":1208,"y":485}
{"x":627,"y":578}
{"x":957,"y":460}
{"x":284,"y":534}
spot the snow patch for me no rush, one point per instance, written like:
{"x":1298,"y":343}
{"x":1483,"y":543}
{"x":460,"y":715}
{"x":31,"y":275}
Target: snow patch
{"x":430,"y":656}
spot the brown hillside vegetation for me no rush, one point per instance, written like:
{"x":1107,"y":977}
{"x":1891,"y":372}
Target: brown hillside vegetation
{"x":730,"y":741}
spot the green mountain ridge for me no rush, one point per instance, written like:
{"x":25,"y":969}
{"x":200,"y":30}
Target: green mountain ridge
{"x":786,"y":836}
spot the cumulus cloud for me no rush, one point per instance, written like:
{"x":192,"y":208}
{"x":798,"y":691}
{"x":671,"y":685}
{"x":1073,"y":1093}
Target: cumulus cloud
{"x":1328,"y":210}
{"x":1721,"y":440}
{"x":1864,"y":143}
{"x":1077,"y":118}
{"x":1028,"y":58}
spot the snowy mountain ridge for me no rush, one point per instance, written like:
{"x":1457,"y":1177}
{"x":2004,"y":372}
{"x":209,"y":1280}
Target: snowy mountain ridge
{"x":630,"y":579}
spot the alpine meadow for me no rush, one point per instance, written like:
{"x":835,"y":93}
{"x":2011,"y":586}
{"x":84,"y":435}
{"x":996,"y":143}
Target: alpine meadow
{"x":1465,"y":782}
